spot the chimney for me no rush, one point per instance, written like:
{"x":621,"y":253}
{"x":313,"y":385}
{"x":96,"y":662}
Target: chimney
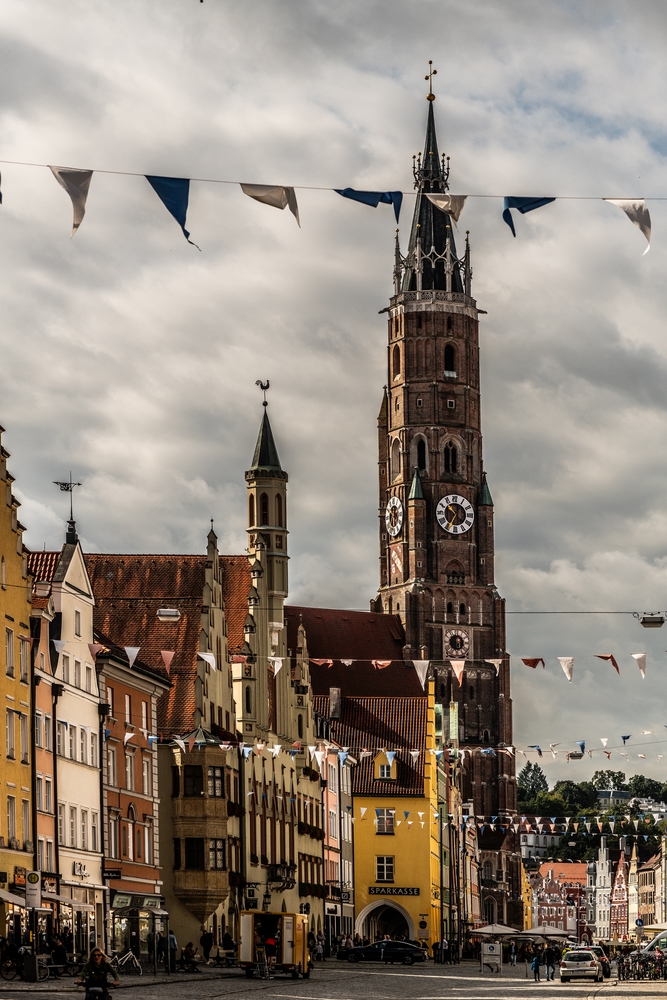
{"x":334,"y":703}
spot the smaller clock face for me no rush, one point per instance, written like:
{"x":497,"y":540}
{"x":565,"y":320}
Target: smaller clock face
{"x":457,"y":643}
{"x":394,"y":516}
{"x":455,"y":514}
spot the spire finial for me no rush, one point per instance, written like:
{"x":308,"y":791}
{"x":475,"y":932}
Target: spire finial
{"x":264,"y":386}
{"x":68,"y":488}
{"x":431,"y":73}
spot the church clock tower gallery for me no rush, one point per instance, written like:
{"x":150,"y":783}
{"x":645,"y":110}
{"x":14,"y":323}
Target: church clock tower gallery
{"x":435,"y":506}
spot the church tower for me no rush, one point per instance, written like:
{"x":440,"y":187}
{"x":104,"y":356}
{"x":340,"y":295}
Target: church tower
{"x":435,"y":505}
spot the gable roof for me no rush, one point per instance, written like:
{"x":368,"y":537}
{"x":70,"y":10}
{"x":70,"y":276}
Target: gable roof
{"x":236,"y":585}
{"x":363,"y":636}
{"x":565,"y":871}
{"x":43,"y":565}
{"x":381,"y":723}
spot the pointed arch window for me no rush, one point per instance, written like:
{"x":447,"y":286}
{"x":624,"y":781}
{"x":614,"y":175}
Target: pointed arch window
{"x":248,"y":701}
{"x":451,"y":457}
{"x":264,"y":508}
{"x":279,"y":510}
{"x":450,"y":358}
{"x":396,"y":361}
{"x":251,"y":510}
{"x":421,"y":454}
{"x":395,"y":459}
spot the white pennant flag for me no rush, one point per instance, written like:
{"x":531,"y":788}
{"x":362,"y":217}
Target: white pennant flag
{"x":76,"y":183}
{"x":274,"y":195}
{"x":347,"y":663}
{"x":415,"y":754}
{"x":638,"y":213}
{"x":276,"y":750}
{"x":180,"y":742}
{"x":319,"y":757}
{"x":604,"y":740}
{"x":59,"y":644}
{"x":132,"y":653}
{"x":276,"y":662}
{"x":421,"y":666}
{"x":452,"y":204}
{"x":641,"y":662}
{"x":209,"y":657}
{"x":496,"y":663}
{"x":311,"y":751}
{"x":567,"y":663}
{"x":127,"y":738}
{"x":363,"y":811}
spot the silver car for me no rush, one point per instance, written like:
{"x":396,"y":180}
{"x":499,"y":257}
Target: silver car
{"x":580,"y":965}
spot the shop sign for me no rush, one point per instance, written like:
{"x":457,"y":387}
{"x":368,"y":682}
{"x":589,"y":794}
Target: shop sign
{"x":78,"y":868}
{"x":121,"y":900}
{"x":19,"y":876}
{"x":112,"y":873}
{"x":33,"y":891}
{"x":392,"y":890}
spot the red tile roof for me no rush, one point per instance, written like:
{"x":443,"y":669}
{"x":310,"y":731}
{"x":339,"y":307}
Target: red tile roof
{"x":354,"y":635}
{"x":565,"y":871}
{"x":43,"y":565}
{"x":236,"y":584}
{"x":382,"y":723}
{"x":128,"y":591}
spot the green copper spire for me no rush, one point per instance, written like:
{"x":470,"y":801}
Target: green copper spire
{"x":416,"y":488}
{"x":484,"y":499}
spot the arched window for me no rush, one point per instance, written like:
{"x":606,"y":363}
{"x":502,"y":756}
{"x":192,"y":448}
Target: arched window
{"x":471,"y":692}
{"x":299,"y":726}
{"x":421,"y":454}
{"x":396,"y":361}
{"x":451,"y":457}
{"x":450,"y":608}
{"x":395,"y":459}
{"x":449,"y":325}
{"x":251,"y":510}
{"x":490,"y":911}
{"x":248,"y":701}
{"x":488,"y":870}
{"x":450,"y":358}
{"x":279,"y":510}
{"x":462,"y":609}
{"x":442,"y":691}
{"x":264,"y":504}
{"x":486,"y":736}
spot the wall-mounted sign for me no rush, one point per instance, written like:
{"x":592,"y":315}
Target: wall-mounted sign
{"x":345,"y":896}
{"x":112,"y":873}
{"x":19,"y":876}
{"x":392,"y":890}
{"x":78,"y":868}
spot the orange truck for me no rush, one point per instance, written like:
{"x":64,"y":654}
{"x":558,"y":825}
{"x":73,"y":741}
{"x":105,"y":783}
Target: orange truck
{"x":274,"y":942}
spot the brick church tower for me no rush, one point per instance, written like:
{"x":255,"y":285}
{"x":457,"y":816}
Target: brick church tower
{"x":435,"y":509}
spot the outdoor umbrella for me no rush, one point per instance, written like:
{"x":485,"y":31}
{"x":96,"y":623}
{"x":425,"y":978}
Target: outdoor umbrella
{"x":494,"y":930}
{"x":544,"y":931}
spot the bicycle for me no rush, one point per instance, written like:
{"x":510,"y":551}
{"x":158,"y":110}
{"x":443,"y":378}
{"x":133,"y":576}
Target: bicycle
{"x":127,"y":963}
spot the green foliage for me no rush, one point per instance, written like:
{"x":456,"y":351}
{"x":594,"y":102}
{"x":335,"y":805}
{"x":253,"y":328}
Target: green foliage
{"x":609,"y":779}
{"x":532,"y":780}
{"x":645,"y":788}
{"x":576,"y":797}
{"x":549,"y":804}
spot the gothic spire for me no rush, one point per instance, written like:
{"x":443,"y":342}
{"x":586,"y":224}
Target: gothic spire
{"x":430,"y":226}
{"x":265,"y":460}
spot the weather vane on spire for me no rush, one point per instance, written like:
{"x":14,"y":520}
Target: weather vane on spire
{"x":431,"y":73}
{"x":68,"y":488}
{"x":264,"y":386}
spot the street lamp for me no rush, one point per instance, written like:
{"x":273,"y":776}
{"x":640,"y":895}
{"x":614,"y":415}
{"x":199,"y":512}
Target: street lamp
{"x":266,"y":901}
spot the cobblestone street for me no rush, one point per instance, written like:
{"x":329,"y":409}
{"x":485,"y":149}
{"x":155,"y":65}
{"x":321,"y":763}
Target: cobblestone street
{"x":337,"y":981}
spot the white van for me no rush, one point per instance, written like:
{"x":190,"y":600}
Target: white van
{"x":659,"y":939}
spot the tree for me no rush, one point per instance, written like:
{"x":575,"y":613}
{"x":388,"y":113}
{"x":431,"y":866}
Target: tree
{"x":609,"y":779}
{"x":577,"y":796}
{"x":645,"y":788}
{"x":550,"y":804}
{"x":532,"y":780}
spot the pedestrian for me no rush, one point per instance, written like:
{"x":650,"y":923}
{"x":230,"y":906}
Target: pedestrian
{"x":444,"y":951}
{"x":535,"y":966}
{"x":550,"y":962}
{"x":206,"y":942}
{"x":173,"y":948}
{"x":512,"y":953}
{"x":159,"y":941}
{"x":320,"y":943}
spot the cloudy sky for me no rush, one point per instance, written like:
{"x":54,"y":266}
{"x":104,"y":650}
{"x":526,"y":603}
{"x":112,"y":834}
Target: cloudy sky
{"x":130,"y":358}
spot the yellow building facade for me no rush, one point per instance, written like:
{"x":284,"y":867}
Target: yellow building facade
{"x":400,"y":855}
{"x":526,"y":899}
{"x":16,"y":801}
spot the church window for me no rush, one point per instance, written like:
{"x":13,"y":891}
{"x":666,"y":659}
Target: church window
{"x":396,"y":360}
{"x":299,"y":726}
{"x":419,"y":401}
{"x":248,"y":700}
{"x":419,"y":322}
{"x":449,"y":326}
{"x":264,"y":505}
{"x":450,"y":608}
{"x":451,"y":404}
{"x":251,"y":510}
{"x":462,"y":609}
{"x":450,"y":359}
{"x":421,"y":454}
{"x":279,"y":510}
{"x":471,"y":692}
{"x":397,"y":404}
{"x":451,"y":458}
{"x":395,"y":459}
{"x":486,"y":735}
{"x":442,"y":691}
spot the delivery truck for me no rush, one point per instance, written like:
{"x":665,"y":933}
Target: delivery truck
{"x":274,"y":942}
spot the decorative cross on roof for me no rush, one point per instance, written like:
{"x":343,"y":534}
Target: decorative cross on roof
{"x":431,"y":73}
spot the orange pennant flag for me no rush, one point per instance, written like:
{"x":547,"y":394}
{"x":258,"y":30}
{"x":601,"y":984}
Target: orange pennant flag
{"x":610,"y":658}
{"x":381,"y":664}
{"x":533,"y":662}
{"x":458,"y":667}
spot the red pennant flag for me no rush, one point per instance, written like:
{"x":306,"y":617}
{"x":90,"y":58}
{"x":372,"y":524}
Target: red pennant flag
{"x":381,"y":664}
{"x":167,"y":656}
{"x":458,"y":667}
{"x":533,"y":662}
{"x":322,"y":663}
{"x":191,"y":743}
{"x":95,"y":648}
{"x":237,"y":658}
{"x":610,"y":659}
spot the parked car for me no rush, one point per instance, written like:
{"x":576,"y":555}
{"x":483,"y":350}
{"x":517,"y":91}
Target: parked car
{"x":385,"y":951}
{"x":581,"y":964}
{"x":602,"y":955}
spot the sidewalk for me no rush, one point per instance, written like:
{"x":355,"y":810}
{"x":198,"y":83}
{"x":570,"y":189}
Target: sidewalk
{"x":67,"y":984}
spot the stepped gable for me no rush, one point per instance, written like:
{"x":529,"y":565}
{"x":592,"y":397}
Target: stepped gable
{"x":381,"y":723}
{"x":362,"y":636}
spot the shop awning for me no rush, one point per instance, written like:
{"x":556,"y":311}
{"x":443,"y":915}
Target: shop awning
{"x":53,"y":897}
{"x":9,"y":897}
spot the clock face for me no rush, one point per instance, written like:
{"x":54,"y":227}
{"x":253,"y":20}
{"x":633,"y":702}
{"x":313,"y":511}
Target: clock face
{"x":394,"y":516}
{"x":457,"y":643}
{"x":455,"y":514}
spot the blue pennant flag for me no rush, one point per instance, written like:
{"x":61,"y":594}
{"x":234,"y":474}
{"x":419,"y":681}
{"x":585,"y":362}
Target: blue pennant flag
{"x":342,"y":757}
{"x":247,"y":751}
{"x":391,"y":756}
{"x":373,"y":198}
{"x":522,"y":205}
{"x":581,"y":744}
{"x":173,"y":192}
